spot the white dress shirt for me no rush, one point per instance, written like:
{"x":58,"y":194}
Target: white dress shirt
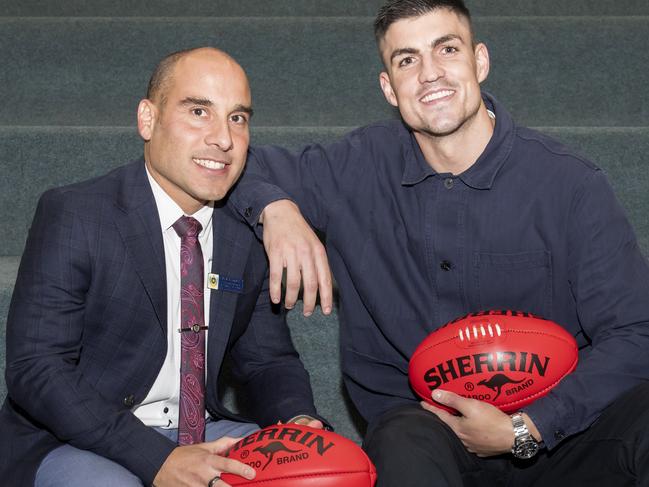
{"x":160,"y":407}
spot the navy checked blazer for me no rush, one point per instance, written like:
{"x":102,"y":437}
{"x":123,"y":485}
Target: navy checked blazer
{"x":87,"y":328}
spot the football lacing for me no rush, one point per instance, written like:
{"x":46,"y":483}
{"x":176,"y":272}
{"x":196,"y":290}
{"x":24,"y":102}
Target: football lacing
{"x":491,"y":330}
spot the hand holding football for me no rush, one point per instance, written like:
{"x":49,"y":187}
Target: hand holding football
{"x":508,"y":359}
{"x":292,"y":455}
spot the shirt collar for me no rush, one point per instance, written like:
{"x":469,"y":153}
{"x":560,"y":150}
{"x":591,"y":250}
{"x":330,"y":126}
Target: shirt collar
{"x":480,"y":175}
{"x":169,"y":211}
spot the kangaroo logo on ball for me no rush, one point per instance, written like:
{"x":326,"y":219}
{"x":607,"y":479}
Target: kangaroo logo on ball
{"x":497,"y":382}
{"x":269,"y":450}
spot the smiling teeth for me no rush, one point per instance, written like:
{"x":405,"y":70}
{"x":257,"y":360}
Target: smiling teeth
{"x":209,"y":164}
{"x":436,"y":96}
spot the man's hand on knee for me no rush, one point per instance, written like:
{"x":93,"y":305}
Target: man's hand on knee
{"x":197,"y":465}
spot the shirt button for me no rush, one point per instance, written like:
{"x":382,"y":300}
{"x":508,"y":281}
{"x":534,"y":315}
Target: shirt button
{"x":165,"y":410}
{"x":248,"y":212}
{"x":448,"y":183}
{"x":129,"y":401}
{"x":445,"y":265}
{"x":559,"y":435}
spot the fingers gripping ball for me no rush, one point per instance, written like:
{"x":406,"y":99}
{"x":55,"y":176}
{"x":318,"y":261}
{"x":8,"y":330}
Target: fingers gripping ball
{"x":506,"y":358}
{"x":293,"y":455}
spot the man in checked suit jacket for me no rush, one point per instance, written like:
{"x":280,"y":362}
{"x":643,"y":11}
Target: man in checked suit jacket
{"x":88,"y":329}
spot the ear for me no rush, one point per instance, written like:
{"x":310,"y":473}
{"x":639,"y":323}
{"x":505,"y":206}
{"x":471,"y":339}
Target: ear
{"x":146,"y":118}
{"x":482,"y":62}
{"x":386,"y":86}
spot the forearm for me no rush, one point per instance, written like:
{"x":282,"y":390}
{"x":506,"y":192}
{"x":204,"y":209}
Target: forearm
{"x":314,"y":178}
{"x":54,"y":395}
{"x":613,"y":367}
{"x":609,"y":289}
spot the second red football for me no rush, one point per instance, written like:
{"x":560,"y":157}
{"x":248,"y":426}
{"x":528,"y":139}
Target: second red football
{"x":291,"y":455}
{"x":506,"y":358}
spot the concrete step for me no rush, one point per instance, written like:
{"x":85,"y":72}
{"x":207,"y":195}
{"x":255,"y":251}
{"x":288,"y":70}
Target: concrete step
{"x":8,"y":271}
{"x":318,"y":71}
{"x":37,"y":158}
{"x":311,"y":8}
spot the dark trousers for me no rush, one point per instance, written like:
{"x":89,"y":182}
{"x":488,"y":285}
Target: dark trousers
{"x":412,"y":448}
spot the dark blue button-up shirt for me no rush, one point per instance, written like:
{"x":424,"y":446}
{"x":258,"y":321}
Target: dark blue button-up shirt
{"x":530,"y":226}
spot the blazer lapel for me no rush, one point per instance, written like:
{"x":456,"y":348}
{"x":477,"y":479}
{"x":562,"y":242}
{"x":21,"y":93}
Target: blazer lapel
{"x":232,"y":240}
{"x":139,"y":225}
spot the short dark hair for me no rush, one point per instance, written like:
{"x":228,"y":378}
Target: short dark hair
{"x":396,"y":10}
{"x":161,"y":77}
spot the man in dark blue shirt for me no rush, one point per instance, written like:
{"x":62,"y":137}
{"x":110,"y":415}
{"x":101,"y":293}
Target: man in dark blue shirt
{"x":456,"y":209}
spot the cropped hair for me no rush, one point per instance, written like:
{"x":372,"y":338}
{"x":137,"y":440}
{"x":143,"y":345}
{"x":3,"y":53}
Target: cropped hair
{"x":161,"y":77}
{"x":396,"y":10}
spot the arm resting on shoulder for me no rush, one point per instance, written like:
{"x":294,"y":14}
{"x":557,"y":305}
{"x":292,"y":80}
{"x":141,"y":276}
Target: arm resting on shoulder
{"x":311,"y":181}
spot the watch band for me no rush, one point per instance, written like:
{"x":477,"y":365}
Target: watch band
{"x":525,"y":446}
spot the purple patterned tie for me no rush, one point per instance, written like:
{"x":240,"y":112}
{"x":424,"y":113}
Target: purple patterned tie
{"x":191,"y":420}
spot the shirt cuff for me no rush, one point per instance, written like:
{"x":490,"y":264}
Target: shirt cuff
{"x":551,"y":419}
{"x":251,"y":197}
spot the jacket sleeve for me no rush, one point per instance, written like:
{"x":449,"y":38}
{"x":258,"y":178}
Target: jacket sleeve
{"x":266,"y":363}
{"x":315,"y":178}
{"x":609,"y":280}
{"x":45,"y":327}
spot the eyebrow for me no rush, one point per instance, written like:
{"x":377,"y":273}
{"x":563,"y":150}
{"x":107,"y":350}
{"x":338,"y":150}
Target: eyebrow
{"x":205,"y":102}
{"x":244,"y":108}
{"x":434,"y":44}
{"x":445,"y":39}
{"x":404,"y":50}
{"x":191,"y":100}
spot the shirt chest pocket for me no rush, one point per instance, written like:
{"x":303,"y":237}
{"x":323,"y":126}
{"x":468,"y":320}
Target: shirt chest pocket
{"x":521,"y":281}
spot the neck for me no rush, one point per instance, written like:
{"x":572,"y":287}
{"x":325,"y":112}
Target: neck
{"x":456,"y":152}
{"x":187,"y":203}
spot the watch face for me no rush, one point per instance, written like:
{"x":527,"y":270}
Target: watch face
{"x":526,"y":449}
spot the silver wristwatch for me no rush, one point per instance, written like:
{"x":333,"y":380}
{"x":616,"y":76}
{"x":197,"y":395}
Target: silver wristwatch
{"x":525,"y":446}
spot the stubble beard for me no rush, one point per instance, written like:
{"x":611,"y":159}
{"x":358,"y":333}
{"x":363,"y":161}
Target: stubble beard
{"x":453,"y":129}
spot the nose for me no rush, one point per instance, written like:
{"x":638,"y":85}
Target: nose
{"x":430,"y":70}
{"x":219,"y":135}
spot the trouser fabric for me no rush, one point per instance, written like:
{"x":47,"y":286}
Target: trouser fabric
{"x":413,"y":448}
{"x":67,"y":466}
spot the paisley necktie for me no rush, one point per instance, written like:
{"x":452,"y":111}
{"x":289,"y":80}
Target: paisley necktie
{"x":191,"y":420}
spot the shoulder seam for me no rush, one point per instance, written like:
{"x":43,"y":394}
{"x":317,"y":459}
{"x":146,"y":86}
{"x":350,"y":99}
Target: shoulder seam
{"x":567,"y":153}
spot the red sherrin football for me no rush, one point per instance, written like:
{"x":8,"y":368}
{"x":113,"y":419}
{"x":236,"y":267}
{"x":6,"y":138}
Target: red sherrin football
{"x":291,"y":455}
{"x":506,"y":358}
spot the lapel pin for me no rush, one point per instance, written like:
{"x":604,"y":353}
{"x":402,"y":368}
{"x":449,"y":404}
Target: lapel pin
{"x":212,"y":281}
